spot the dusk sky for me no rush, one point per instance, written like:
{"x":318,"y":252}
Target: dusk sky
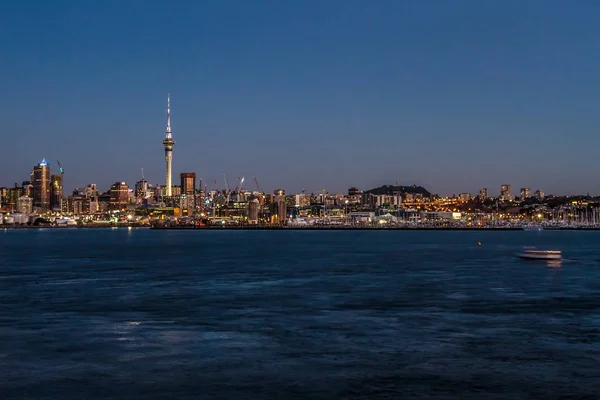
{"x":452,"y":95}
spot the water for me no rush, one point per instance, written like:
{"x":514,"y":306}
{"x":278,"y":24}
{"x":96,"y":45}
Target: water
{"x":116,"y":313}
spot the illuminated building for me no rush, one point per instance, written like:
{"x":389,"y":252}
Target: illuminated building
{"x":539,"y":195}
{"x":56,"y":192}
{"x":41,"y":185}
{"x":483,"y":194}
{"x":525,"y":193}
{"x":464,"y":197}
{"x":27,"y":187}
{"x":279,"y":208}
{"x":25,"y":205}
{"x":188,"y":187}
{"x":12,"y":194}
{"x":506,"y":193}
{"x":141,"y":189}
{"x":168,"y":143}
{"x":188,"y":183}
{"x":253,"y":207}
{"x":186,"y":204}
{"x":302,"y":200}
{"x":119,"y":195}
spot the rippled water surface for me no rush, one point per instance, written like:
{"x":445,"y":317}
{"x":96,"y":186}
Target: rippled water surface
{"x":144,"y":314}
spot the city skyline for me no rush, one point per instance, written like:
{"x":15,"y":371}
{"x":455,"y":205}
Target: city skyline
{"x":189,"y":185}
{"x":252,"y":185}
{"x":334,"y":95}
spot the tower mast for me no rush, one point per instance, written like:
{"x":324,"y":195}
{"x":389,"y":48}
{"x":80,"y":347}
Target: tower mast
{"x":168,"y":143}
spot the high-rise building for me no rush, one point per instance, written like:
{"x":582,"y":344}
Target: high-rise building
{"x":464,"y":197}
{"x":141,"y":189}
{"x":186,"y":204}
{"x":483,"y":194}
{"x":188,"y":187}
{"x":188,"y":183}
{"x":506,"y":193}
{"x":12,"y":194}
{"x":24,"y":205}
{"x":253,"y":207}
{"x":168,"y":143}
{"x":27,"y":187}
{"x":302,"y":200}
{"x":525,"y":193}
{"x":56,"y":192}
{"x":279,"y":208}
{"x":539,"y":195}
{"x":41,"y":185}
{"x":119,"y":195}
{"x":175,"y":190}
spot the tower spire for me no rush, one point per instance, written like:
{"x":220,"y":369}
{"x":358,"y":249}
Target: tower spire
{"x":168,"y":133}
{"x":168,"y":144}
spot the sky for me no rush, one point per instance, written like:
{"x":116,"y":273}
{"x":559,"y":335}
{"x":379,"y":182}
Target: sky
{"x":313,"y":94}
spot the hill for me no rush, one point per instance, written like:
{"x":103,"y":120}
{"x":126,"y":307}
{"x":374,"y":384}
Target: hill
{"x":391,"y":189}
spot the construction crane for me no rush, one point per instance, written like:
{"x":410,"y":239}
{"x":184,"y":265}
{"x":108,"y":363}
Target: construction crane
{"x":257,"y":185}
{"x":240,"y":183}
{"x":60,"y":168}
{"x":198,"y":196}
{"x":226,"y":187}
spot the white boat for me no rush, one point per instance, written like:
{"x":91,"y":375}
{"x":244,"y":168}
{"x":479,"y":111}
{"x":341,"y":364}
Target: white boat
{"x":540,"y":254}
{"x":65,"y":221}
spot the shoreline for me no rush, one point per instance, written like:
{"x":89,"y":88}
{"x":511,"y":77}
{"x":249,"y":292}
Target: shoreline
{"x":297,"y":228}
{"x":375,"y":228}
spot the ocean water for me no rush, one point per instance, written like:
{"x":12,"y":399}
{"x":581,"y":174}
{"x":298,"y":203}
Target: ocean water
{"x":157,"y":314}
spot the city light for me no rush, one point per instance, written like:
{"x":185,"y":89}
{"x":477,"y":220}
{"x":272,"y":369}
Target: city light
{"x":41,"y":200}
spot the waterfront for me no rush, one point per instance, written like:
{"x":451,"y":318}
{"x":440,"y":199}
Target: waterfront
{"x":294,"y":314}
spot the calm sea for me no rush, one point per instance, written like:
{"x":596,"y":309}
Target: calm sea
{"x":150,"y":314}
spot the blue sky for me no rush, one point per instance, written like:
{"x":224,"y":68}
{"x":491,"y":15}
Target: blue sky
{"x":305,"y":94}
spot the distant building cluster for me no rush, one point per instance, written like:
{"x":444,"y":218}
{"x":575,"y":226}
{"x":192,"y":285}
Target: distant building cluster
{"x":192,"y":202}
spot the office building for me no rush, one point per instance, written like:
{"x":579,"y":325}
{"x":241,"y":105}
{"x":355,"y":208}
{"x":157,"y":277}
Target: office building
{"x":56,"y":192}
{"x":119,"y":195}
{"x":41,"y":185}
{"x":25,"y":205}
{"x":506,"y":193}
{"x":483,"y":194}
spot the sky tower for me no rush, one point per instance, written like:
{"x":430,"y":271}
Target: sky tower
{"x":168,"y":143}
